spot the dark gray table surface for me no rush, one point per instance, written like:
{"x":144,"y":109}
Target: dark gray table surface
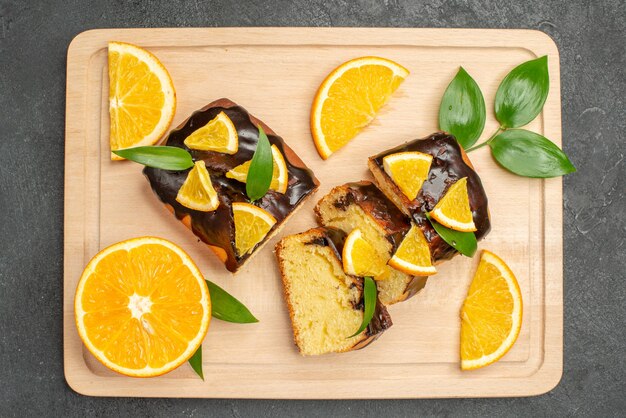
{"x":34,"y":35}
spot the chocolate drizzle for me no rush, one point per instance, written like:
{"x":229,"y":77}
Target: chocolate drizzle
{"x":217,"y":228}
{"x":449,"y":165}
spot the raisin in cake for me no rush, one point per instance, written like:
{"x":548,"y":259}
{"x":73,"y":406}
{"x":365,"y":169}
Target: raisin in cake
{"x":216,"y":228}
{"x":325,"y":304}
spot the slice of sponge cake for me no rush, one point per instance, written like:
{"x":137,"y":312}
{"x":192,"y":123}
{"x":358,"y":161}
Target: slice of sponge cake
{"x":361,"y":205}
{"x":325,"y":304}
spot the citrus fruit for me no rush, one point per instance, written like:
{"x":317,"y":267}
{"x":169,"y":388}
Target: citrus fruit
{"x":413,"y":254}
{"x":349,"y":98}
{"x":219,"y":135}
{"x":408,"y":170}
{"x":453,"y":210}
{"x":280,"y":176}
{"x":142,"y":99}
{"x":251,"y":225}
{"x":361,"y":259}
{"x":142,"y":307}
{"x":491,"y":316}
{"x":197,"y":192}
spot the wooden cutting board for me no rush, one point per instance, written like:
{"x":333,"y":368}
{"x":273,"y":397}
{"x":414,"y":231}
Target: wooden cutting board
{"x":274,"y":73}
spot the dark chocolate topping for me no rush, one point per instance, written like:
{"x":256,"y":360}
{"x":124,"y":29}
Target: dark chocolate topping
{"x":447,"y":167}
{"x":217,"y":228}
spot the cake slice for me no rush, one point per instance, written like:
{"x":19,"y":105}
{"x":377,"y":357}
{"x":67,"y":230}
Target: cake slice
{"x":217,"y":228}
{"x":325,"y":304}
{"x":362,"y":205}
{"x":449,"y":164}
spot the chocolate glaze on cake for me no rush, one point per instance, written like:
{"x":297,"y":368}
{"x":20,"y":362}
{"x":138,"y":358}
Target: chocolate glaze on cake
{"x":450,"y":163}
{"x":217,"y":228}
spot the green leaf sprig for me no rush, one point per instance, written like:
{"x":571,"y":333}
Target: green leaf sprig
{"x":519,"y":99}
{"x":261,"y":168}
{"x":164,"y":157}
{"x":225,"y":307}
{"x":463,"y":242}
{"x":369,"y":300}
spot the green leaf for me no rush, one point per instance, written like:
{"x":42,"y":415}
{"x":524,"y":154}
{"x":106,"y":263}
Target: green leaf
{"x":369,"y":300}
{"x":462,"y":109}
{"x":522,"y":93}
{"x":226,"y":307}
{"x":167,"y":158}
{"x":463,"y":242}
{"x":529,"y":154}
{"x":261,"y":169}
{"x":196,"y":362}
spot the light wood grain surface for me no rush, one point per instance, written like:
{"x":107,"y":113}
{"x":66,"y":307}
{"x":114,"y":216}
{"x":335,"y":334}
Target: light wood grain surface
{"x":274,"y":74}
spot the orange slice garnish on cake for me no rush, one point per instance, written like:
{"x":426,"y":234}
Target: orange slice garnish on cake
{"x":349,"y":99}
{"x":360,"y":258}
{"x":413,"y":254}
{"x":491,"y":317}
{"x":142,"y":99}
{"x":453,"y":209}
{"x":142,"y":307}
{"x":197,"y":191}
{"x":219,"y":135}
{"x":280,"y":175}
{"x":252,"y":224}
{"x":408,"y":170}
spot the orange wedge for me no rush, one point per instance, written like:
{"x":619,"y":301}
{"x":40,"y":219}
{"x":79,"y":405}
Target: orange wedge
{"x":197,"y":191}
{"x":142,"y":99}
{"x":252,"y":224}
{"x":408,"y":170}
{"x":453,"y":210}
{"x":413,"y":254}
{"x":361,"y":259}
{"x":349,"y":99}
{"x":491,"y":317}
{"x":280,"y":176}
{"x":219,"y":135}
{"x":142,"y":307}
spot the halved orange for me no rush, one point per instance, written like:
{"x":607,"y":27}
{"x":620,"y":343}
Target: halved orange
{"x":197,"y":191}
{"x":413,"y":254}
{"x":252,"y":224}
{"x":491,"y":317}
{"x":408,"y":170}
{"x":349,"y":99}
{"x":453,"y":209}
{"x":219,"y":135}
{"x":361,"y":259}
{"x":280,"y":176}
{"x":142,"y":99}
{"x":142,"y":307}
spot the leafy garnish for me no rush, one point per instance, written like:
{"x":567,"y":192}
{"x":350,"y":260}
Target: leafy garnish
{"x":529,"y":154}
{"x":196,"y":362}
{"x":369,"y":300}
{"x":261,"y":169}
{"x":463,"y":242}
{"x":226,"y":307}
{"x":164,"y":157}
{"x":522,"y":93}
{"x":462,"y":109}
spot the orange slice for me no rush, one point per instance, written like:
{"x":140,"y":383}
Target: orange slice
{"x":251,"y":225}
{"x":413,"y":254}
{"x":142,"y":99}
{"x":361,"y":259}
{"x":408,"y":170}
{"x":453,"y":210}
{"x":491,"y":317}
{"x":349,"y":99}
{"x":219,"y":135}
{"x":280,"y":176}
{"x":142,"y":307}
{"x":197,"y":192}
